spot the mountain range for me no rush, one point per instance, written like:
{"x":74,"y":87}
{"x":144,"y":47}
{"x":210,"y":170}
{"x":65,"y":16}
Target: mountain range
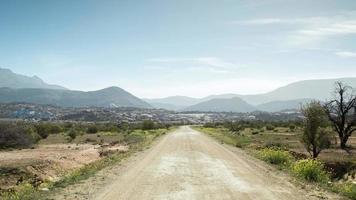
{"x":13,"y":80}
{"x":287,"y":97}
{"x":19,"y":88}
{"x":234,"y":104}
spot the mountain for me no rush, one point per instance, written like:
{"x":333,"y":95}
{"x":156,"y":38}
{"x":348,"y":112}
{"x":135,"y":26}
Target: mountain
{"x":286,"y":97}
{"x":12,"y":80}
{"x":222,"y":105}
{"x":108,"y":97}
{"x":321,"y":89}
{"x":276,"y":106}
{"x":173,"y":102}
{"x":166,"y":106}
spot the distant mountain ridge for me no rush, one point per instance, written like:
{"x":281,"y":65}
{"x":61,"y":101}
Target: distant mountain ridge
{"x":234,"y":104}
{"x":12,"y":80}
{"x":275,"y":106}
{"x":290,"y":96}
{"x":19,"y":88}
{"x":68,"y":98}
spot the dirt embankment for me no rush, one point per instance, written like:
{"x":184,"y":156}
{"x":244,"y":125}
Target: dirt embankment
{"x":47,"y":162}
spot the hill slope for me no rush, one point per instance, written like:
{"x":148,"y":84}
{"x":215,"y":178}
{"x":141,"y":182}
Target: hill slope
{"x":222,"y":105}
{"x":173,"y":102}
{"x":280,"y":98}
{"x":13,"y":80}
{"x":113,"y":96}
{"x":276,"y":106}
{"x":313,"y":89}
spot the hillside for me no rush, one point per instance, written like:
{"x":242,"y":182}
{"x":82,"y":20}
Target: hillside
{"x":173,"y":102}
{"x":222,"y":105}
{"x":321,"y":89}
{"x":276,"y":106}
{"x":113,"y":96}
{"x":12,"y":80}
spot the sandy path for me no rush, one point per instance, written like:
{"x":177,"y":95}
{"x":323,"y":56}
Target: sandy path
{"x":187,"y":164}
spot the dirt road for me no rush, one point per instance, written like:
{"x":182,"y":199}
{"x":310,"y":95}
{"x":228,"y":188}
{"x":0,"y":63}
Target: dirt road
{"x":187,"y":164}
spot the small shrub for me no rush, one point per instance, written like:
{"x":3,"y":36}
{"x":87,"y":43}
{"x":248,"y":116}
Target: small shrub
{"x":275,"y":156}
{"x":275,"y":145}
{"x":72,"y":135}
{"x":16,"y":136}
{"x":269,"y":127}
{"x":255,"y":132}
{"x":92,"y":130}
{"x":148,"y":125}
{"x":310,"y":170}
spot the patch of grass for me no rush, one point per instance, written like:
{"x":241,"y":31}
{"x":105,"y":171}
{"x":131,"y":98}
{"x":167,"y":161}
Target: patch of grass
{"x":275,"y":156}
{"x":225,"y":136}
{"x":23,"y":192}
{"x":310,"y":170}
{"x":90,"y":169}
{"x":346,"y":189}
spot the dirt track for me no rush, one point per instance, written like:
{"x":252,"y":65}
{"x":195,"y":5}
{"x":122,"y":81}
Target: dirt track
{"x":187,"y":164}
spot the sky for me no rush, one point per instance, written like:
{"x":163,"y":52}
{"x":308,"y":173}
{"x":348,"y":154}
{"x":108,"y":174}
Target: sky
{"x":158,"y":48}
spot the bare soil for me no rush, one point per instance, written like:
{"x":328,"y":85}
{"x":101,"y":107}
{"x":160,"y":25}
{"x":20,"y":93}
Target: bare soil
{"x":47,"y":162}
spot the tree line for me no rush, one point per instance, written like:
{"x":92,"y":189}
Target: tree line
{"x":21,"y":134}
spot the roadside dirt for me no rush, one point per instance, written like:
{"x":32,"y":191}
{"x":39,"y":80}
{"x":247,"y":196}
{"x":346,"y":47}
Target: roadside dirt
{"x":47,"y":162}
{"x":187,"y":164}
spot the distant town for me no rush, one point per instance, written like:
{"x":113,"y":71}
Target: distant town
{"x":38,"y":112}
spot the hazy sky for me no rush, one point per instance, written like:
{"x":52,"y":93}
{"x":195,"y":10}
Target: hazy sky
{"x":156,"y":48}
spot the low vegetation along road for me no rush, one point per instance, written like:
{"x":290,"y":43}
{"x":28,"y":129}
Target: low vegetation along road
{"x":187,"y":164}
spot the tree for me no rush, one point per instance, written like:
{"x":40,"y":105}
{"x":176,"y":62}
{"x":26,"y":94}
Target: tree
{"x":315,"y":136}
{"x":341,"y":112}
{"x":148,"y":125}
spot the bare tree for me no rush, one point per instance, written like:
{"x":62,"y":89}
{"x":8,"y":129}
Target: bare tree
{"x":341,"y":112}
{"x":315,"y":136}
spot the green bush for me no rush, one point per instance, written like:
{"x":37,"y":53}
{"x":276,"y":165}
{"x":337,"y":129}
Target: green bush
{"x":44,"y":129}
{"x":17,"y":135}
{"x":72,"y":134}
{"x":92,"y":130}
{"x":310,"y":170}
{"x":255,"y":132}
{"x":148,"y":125}
{"x":275,"y":156}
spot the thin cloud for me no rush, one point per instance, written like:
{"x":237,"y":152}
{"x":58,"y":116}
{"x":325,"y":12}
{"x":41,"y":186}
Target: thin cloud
{"x":281,"y":21}
{"x":210,"y":64}
{"x":318,"y":32}
{"x":346,"y":54}
{"x":310,"y":29}
{"x":263,"y":21}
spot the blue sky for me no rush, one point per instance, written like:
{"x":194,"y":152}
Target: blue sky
{"x":158,"y":48}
